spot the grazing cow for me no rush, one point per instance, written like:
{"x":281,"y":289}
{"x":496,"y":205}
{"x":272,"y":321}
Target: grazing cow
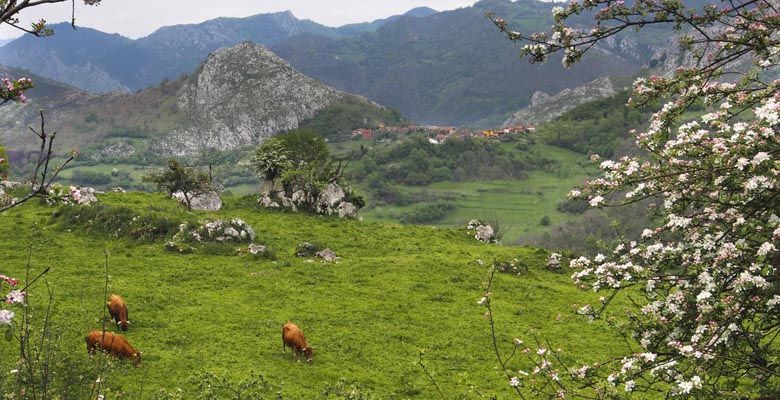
{"x":118,"y":310}
{"x":113,"y":344}
{"x":292,"y":337}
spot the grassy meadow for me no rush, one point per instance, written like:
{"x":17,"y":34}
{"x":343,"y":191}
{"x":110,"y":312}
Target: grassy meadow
{"x":518,"y":205}
{"x":397,"y":290}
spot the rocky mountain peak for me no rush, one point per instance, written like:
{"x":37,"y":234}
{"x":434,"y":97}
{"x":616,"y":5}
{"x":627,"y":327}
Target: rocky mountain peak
{"x":244,"y":94}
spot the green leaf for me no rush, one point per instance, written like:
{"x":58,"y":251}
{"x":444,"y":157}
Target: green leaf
{"x":9,"y":333}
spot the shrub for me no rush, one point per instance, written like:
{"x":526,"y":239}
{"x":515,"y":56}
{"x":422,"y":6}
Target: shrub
{"x":428,"y":213}
{"x":114,"y":221}
{"x":307,"y":249}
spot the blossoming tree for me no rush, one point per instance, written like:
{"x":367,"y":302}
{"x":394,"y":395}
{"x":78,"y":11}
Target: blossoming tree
{"x":709,"y":318}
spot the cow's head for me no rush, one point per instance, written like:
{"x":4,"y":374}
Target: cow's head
{"x":136,"y":359}
{"x":309,"y":353}
{"x":123,"y":325}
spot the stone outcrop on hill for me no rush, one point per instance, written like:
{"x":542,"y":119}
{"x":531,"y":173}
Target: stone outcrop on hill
{"x":545,"y":108}
{"x":334,"y":199}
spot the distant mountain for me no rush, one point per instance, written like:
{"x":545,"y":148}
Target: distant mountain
{"x":364,"y":27}
{"x":84,"y":57}
{"x":450,"y":67}
{"x":101,"y":62}
{"x":454,"y":67}
{"x":239,"y":96}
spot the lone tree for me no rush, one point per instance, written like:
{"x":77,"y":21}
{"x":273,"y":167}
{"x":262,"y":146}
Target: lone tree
{"x":191,"y":182}
{"x":705,"y":280}
{"x":299,"y":160}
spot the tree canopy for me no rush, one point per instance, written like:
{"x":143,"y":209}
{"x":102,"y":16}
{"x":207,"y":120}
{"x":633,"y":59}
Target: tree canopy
{"x":705,"y":279}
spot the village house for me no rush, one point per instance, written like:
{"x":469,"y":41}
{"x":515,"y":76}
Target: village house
{"x":366,"y":134}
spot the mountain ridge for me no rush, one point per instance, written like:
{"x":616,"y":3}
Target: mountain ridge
{"x":239,"y":96}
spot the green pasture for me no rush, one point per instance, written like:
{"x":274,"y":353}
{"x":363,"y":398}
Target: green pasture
{"x":518,"y":205}
{"x":396,"y":291}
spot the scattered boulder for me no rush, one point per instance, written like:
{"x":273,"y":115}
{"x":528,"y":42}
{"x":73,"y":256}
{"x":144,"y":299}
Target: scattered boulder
{"x":118,"y":189}
{"x":473,"y":224}
{"x":72,"y":195}
{"x":300,"y":197}
{"x":328,"y":255}
{"x":203,"y":202}
{"x":256,"y":249}
{"x":10,"y":184}
{"x":485,"y":233}
{"x":332,"y":200}
{"x":347,"y":210}
{"x":267,"y":202}
{"x":554,"y":262}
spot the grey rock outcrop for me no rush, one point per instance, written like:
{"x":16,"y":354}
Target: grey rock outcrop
{"x":554,"y":262}
{"x":266,"y":201}
{"x":328,"y":255}
{"x":347,"y":210}
{"x":545,"y":108}
{"x":242,"y":95}
{"x":485,"y":233}
{"x":256,"y":249}
{"x":330,"y":199}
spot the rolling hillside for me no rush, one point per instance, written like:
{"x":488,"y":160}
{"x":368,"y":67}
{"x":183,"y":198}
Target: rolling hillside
{"x":396,"y":291}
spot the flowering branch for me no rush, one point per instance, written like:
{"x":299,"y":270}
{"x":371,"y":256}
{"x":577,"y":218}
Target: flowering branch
{"x":42,"y":177}
{"x":708,"y":273}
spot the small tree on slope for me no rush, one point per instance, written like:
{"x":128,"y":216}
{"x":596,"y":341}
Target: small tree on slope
{"x":710,"y":318}
{"x":178,"y":178}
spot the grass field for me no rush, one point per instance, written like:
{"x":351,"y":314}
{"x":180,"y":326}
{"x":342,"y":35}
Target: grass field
{"x":518,"y":205}
{"x":397,"y":290}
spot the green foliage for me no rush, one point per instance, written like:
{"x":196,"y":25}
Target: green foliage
{"x":596,"y":127}
{"x":306,"y":249}
{"x":177,"y":178}
{"x":113,"y":221}
{"x":299,"y":159}
{"x":545,"y":221}
{"x":5,"y":165}
{"x":428,"y":213}
{"x":341,"y":118}
{"x":418,"y":162}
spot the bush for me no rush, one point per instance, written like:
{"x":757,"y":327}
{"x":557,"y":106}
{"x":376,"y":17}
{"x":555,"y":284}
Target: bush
{"x":428,"y":213}
{"x":113,"y":221}
{"x":545,"y":221}
{"x":307,"y":249}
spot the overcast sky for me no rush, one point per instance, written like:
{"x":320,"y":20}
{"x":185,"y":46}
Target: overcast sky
{"x":137,"y":18}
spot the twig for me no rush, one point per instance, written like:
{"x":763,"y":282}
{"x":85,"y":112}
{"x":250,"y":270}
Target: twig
{"x":430,"y":376}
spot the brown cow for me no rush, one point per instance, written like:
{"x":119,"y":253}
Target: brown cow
{"x":118,"y":310}
{"x":113,"y":344}
{"x":292,"y":337}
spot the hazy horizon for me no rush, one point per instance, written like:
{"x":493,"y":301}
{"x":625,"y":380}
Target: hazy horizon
{"x":115,"y":16}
